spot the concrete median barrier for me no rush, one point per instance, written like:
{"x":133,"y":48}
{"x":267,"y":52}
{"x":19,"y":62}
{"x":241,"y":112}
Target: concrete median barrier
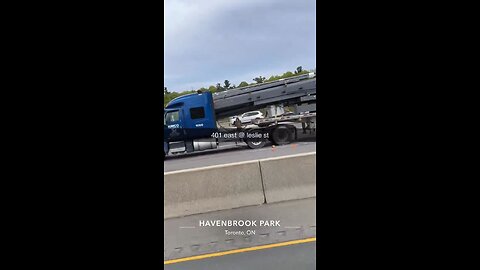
{"x":289,"y":178}
{"x":212,"y":188}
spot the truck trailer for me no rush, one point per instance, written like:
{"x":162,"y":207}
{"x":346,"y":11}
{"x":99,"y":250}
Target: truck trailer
{"x":190,"y":121}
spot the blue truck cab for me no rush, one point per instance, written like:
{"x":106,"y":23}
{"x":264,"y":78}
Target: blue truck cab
{"x":187,"y":118}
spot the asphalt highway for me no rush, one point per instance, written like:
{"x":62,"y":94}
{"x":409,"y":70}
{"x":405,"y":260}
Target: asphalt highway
{"x":295,"y":256}
{"x":291,"y":245}
{"x":229,"y":153}
{"x":185,"y":237}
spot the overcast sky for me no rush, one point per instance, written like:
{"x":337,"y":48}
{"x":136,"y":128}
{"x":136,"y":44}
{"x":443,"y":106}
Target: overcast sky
{"x":209,"y":41}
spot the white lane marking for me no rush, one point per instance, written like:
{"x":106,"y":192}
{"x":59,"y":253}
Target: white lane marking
{"x":296,"y":155}
{"x":237,"y":163}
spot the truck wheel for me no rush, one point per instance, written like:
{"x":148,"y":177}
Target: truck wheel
{"x":256,"y":144}
{"x":282,"y":135}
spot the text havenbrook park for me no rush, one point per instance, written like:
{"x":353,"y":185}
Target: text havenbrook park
{"x":239,"y":223}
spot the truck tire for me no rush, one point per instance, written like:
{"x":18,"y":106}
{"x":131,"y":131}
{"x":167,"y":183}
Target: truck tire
{"x":256,"y":144}
{"x":282,"y":135}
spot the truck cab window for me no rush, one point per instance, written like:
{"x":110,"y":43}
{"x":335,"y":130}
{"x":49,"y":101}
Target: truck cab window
{"x":197,"y":113}
{"x":171,"y":117}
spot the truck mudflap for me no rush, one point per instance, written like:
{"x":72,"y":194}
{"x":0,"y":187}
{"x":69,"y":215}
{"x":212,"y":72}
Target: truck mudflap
{"x":165,"y":149}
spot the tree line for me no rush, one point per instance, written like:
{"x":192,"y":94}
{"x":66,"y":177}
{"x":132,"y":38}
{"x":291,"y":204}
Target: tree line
{"x":168,"y":96}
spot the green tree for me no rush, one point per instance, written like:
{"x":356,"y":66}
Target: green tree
{"x":170,"y":96}
{"x":299,"y":70}
{"x":259,"y":79}
{"x":273,"y":78}
{"x":243,"y":84}
{"x":219,"y":88}
{"x":226,"y":84}
{"x":212,"y":89}
{"x":287,"y":74}
{"x":165,"y":91}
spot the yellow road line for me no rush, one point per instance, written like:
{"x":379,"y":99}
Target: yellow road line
{"x":217,"y":254}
